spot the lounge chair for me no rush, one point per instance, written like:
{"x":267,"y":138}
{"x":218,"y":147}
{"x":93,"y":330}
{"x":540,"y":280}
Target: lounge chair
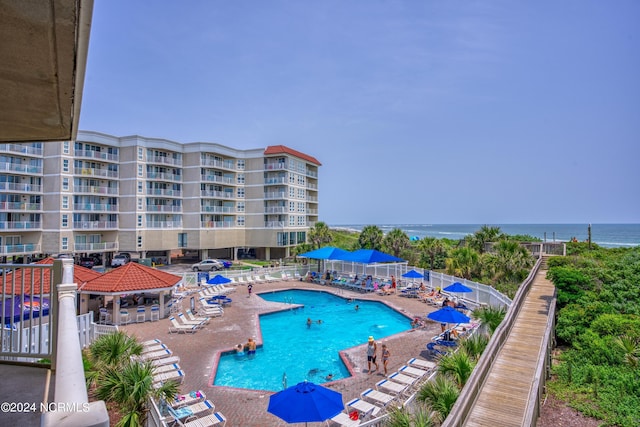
{"x":270,"y":278}
{"x":392,"y":386}
{"x":163,"y":377}
{"x":207,"y":421}
{"x":188,"y":411}
{"x":363,"y":406}
{"x":216,"y":311}
{"x":155,"y":355}
{"x":165,"y":361}
{"x":414,"y":372}
{"x":188,"y":399}
{"x":153,"y":348}
{"x":166,"y":368}
{"x":240,"y":280}
{"x":422,"y":364}
{"x":345,"y":420}
{"x":377,"y":396}
{"x":191,"y":316}
{"x":151,"y":342}
{"x":176,"y":327}
{"x":197,"y":323}
{"x":434,"y":351}
{"x":400,"y":378}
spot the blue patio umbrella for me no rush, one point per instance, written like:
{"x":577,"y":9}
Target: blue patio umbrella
{"x":448,"y":315}
{"x":328,"y":252}
{"x":17,"y":308}
{"x":305,"y":402}
{"x":369,"y":256}
{"x":218,"y":279}
{"x":412,"y":274}
{"x":457,"y":287}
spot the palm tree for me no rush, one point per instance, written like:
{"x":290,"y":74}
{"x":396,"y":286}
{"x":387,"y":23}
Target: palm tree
{"x":631,"y":349}
{"x":463,"y":262}
{"x":512,"y":260}
{"x":129,"y":387}
{"x":474,"y":345}
{"x":486,"y":234}
{"x":402,"y":417}
{"x":459,"y":365}
{"x":440,"y":395}
{"x":432,"y":247}
{"x":320,"y":235}
{"x":371,"y":237}
{"x":490,"y":317}
{"x":113,"y":349}
{"x":396,"y":241}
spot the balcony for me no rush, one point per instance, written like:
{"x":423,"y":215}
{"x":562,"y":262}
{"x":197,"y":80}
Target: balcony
{"x":164,"y":224}
{"x":164,"y":192}
{"x":277,"y":195}
{"x":21,"y":168}
{"x":20,"y":187}
{"x":217,"y":194}
{"x":20,"y":225}
{"x":274,"y":181}
{"x":217,"y":224}
{"x":96,"y":189}
{"x":270,"y":166}
{"x":311,"y":186}
{"x":21,"y":149}
{"x":95,"y":225}
{"x":163,"y":208}
{"x":275,"y":209}
{"x":274,"y":224}
{"x":224,"y":164}
{"x":311,"y":199}
{"x":105,"y":173}
{"x":164,"y":160}
{"x":217,"y":209}
{"x":91,"y":247}
{"x":26,"y":248}
{"x":215,"y":178}
{"x":95,"y":207}
{"x":166,"y":176}
{"x":20,"y":206}
{"x":100,"y":155}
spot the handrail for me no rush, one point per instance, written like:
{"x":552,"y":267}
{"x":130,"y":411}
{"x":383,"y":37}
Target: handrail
{"x":469,"y":393}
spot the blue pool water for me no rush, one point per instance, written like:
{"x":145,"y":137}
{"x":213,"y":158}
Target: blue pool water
{"x":296,"y":351}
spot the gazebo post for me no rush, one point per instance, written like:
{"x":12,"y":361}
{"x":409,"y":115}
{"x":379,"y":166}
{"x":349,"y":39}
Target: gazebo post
{"x":161,"y":303}
{"x":116,"y":310}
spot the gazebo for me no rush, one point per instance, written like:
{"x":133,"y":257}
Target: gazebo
{"x":130,"y":279}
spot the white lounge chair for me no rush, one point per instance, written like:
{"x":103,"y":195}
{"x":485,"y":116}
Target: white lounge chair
{"x":151,"y":342}
{"x":270,"y":278}
{"x":215,"y":311}
{"x":197,"y":323}
{"x":153,"y":348}
{"x":155,"y":355}
{"x":166,"y":368}
{"x":165,"y":361}
{"x":403,"y":379}
{"x":163,"y":377}
{"x":188,"y":399}
{"x":392,"y":386}
{"x":176,"y":327}
{"x":188,"y":411}
{"x":345,"y":420}
{"x":364,"y":407}
{"x":422,"y":364}
{"x":414,"y":372}
{"x":377,"y":396}
{"x":207,"y":421}
{"x":191,"y":316}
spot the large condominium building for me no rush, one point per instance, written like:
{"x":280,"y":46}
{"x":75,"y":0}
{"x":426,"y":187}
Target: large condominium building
{"x":104,"y":194}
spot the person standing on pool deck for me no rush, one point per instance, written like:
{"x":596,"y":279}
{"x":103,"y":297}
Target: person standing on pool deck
{"x":385,"y":358}
{"x":372,"y":348}
{"x":249,"y":288}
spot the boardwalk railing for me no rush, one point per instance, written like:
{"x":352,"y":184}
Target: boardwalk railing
{"x":473,"y":387}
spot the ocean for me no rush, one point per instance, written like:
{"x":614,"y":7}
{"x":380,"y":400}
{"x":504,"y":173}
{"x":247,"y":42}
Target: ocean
{"x":605,"y":235}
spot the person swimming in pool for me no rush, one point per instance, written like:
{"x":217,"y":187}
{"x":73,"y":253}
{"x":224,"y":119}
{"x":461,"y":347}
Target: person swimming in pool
{"x":250,"y":346}
{"x":239,"y":350}
{"x":309,"y":322}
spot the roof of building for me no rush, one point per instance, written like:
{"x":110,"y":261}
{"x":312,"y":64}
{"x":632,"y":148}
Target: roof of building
{"x":132,"y":277}
{"x":81,"y":275}
{"x":282,"y":149}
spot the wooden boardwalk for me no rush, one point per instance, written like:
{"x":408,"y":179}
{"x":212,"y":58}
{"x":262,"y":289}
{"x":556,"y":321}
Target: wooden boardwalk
{"x":504,"y":396}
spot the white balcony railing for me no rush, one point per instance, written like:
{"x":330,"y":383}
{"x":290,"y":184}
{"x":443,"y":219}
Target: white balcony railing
{"x":25,"y":248}
{"x":95,"y":189}
{"x":164,"y":224}
{"x":164,"y":192}
{"x":92,"y":225}
{"x":101,"y":246}
{"x":218,"y":209}
{"x":21,"y":149}
{"x":20,"y":168}
{"x":95,"y":207}
{"x":20,"y":225}
{"x":163,"y":208}
{"x":278,"y":195}
{"x":21,"y":187}
{"x":217,"y":224}
{"x":217,"y":194}
{"x":20,"y":206}
{"x":164,"y":160}
{"x":101,"y":155}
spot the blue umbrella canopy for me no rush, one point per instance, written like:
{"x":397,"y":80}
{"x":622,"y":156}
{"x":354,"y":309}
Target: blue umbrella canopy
{"x":412,"y":274}
{"x":369,"y":256}
{"x":305,"y":402}
{"x":218,"y":279}
{"x":328,"y":252}
{"x":457,"y":287}
{"x":448,"y":315}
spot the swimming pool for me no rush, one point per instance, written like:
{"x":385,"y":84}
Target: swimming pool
{"x":293,"y":350}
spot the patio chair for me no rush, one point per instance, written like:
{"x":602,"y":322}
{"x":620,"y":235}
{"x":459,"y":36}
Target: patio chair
{"x":400,"y":378}
{"x":176,"y":327}
{"x":166,"y":360}
{"x":345,"y":420}
{"x":188,"y":399}
{"x":125,"y":317}
{"x":207,"y":421}
{"x":176,"y":376}
{"x":104,"y":316}
{"x":212,"y":311}
{"x":152,"y":342}
{"x":392,"y":386}
{"x":188,"y":411}
{"x":141,"y":314}
{"x":426,"y":365}
{"x":154,"y":313}
{"x":166,"y":368}
{"x":156,"y":355}
{"x":152,"y":348}
{"x":377,"y":396}
{"x":363,"y":406}
{"x":197,"y":323}
{"x":191,"y":316}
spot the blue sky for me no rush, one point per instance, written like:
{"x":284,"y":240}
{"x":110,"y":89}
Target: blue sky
{"x":420,"y":111}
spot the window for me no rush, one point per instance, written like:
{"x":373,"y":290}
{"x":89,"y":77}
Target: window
{"x":240,"y":178}
{"x":300,"y":193}
{"x":65,"y":147}
{"x":241,"y":193}
{"x":65,"y":221}
{"x":240,"y":207}
{"x":65,"y":165}
{"x":292,"y":206}
{"x":140,"y":153}
{"x":139,"y":241}
{"x":240,"y":164}
{"x":65,"y":202}
{"x":301,"y":220}
{"x":301,"y":206}
{"x":139,"y":220}
{"x":64,"y":244}
{"x":182,"y":240}
{"x":241,"y":220}
{"x":139,"y":186}
{"x":140,"y":204}
{"x":292,"y":220}
{"x":292,"y":178}
{"x":65,"y":184}
{"x":292,"y":192}
{"x":140,"y":170}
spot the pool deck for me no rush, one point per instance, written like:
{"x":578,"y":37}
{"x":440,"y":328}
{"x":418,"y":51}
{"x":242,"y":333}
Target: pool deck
{"x":248,"y":408}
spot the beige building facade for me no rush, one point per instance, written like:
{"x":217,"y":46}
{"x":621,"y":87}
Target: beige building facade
{"x":103,"y":194}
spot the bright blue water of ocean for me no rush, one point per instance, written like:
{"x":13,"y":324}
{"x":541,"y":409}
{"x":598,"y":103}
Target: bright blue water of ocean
{"x":606,"y":235}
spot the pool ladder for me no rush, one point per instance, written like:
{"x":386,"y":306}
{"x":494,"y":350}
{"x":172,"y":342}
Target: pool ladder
{"x":284,"y":380}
